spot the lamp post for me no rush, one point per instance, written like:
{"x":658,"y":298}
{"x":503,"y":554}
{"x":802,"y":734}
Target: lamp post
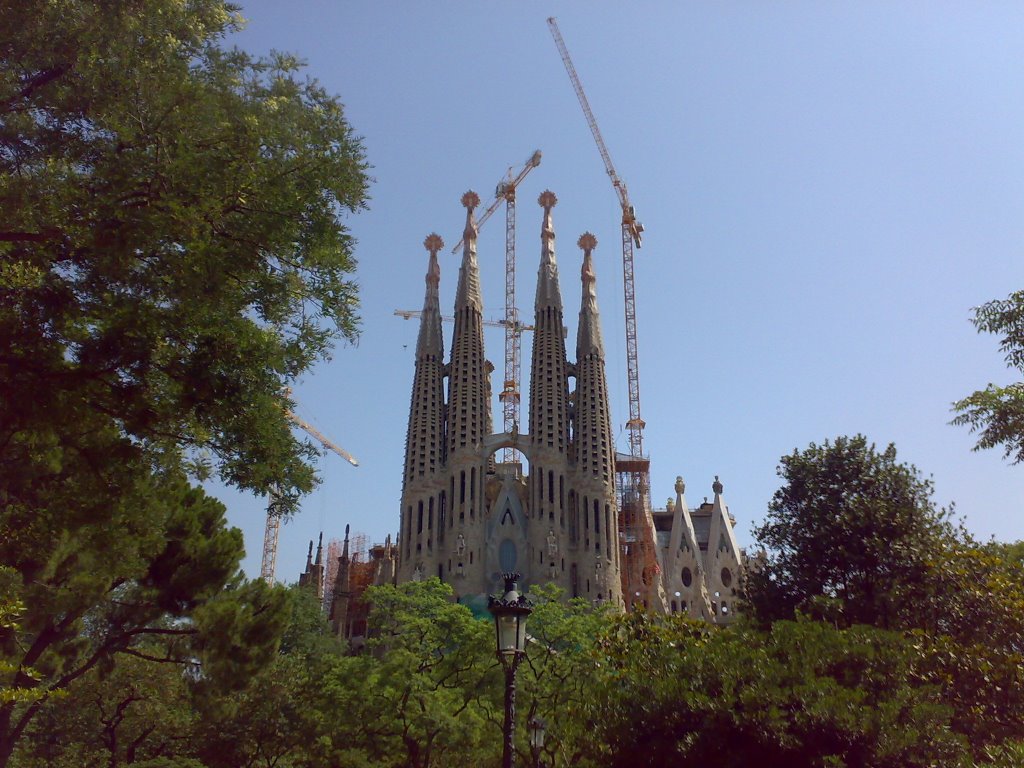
{"x":536,"y":726}
{"x":510,"y":612}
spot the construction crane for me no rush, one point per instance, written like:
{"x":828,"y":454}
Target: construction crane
{"x":509,"y":397}
{"x":631,"y":235}
{"x":273,"y":529}
{"x":517,"y":327}
{"x":633,"y":471}
{"x":500,"y":194}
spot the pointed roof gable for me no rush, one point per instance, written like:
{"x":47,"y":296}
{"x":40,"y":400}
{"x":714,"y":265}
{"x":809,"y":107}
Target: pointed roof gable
{"x":720,"y":534}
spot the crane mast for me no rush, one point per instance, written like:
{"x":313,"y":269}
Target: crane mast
{"x":272,"y":532}
{"x":631,"y":236}
{"x":636,"y":525}
{"x":509,"y":396}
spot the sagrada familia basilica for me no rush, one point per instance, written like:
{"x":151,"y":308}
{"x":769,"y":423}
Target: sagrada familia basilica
{"x":466,"y":517}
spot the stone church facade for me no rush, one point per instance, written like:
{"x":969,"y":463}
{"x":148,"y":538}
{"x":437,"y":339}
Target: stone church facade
{"x":465,"y":516}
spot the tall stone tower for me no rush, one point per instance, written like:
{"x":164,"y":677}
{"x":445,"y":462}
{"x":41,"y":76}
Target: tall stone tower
{"x":467,"y":518}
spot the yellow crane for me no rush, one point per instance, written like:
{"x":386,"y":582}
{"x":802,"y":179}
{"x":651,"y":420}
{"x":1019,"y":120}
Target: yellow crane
{"x":272,"y":531}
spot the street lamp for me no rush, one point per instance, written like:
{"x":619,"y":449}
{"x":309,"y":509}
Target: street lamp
{"x":536,"y":727}
{"x":510,"y":612}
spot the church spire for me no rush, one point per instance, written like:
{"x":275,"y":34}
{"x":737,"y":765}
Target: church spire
{"x":593,"y":420}
{"x":685,"y":560}
{"x":588,"y":339}
{"x":549,"y":383}
{"x":468,"y":293}
{"x":430,"y":341}
{"x":342,"y":592}
{"x":425,"y":450}
{"x":548,"y":293}
{"x":469,"y":385}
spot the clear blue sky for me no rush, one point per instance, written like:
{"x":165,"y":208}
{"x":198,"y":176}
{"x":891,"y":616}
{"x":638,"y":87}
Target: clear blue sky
{"x":828,"y":188}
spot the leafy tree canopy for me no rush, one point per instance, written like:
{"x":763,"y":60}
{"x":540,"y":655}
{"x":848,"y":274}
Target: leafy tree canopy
{"x":996,"y":413}
{"x":173,"y":251}
{"x":850,"y":524}
{"x":804,"y":694}
{"x":172,"y":254}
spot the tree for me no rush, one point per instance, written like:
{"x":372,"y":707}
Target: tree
{"x":137,"y":564}
{"x":130,"y":714}
{"x":557,"y":680}
{"x":674,"y":692}
{"x":421,"y":694}
{"x":172,"y":253}
{"x":996,"y":413}
{"x":138,"y":712}
{"x":969,"y":618}
{"x":850,"y":525}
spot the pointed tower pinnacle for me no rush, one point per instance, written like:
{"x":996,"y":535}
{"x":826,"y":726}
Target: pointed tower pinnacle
{"x":319,"y":549}
{"x":548,"y":293}
{"x":424,"y":444}
{"x":309,"y":556}
{"x":593,"y":419}
{"x":430,"y":341}
{"x":342,"y":593}
{"x":468,"y":293}
{"x":469,"y":407}
{"x":589,"y":340}
{"x":549,"y":382}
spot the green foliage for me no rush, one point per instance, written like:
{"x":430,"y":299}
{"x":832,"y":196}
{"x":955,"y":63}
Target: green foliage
{"x":615,"y":690}
{"x":680,"y":693}
{"x":850,"y":525}
{"x":556,"y":680}
{"x":269,"y":722}
{"x":424,"y":691}
{"x":1009,"y":755}
{"x":147,"y":570}
{"x":172,"y":253}
{"x":855,"y":538}
{"x":308,"y":634}
{"x":134,"y":713}
{"x":173,"y":249}
{"x":996,"y":413}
